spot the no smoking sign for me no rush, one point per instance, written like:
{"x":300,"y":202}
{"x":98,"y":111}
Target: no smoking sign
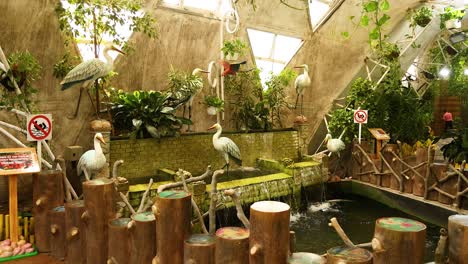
{"x":39,"y":127}
{"x":360,"y":116}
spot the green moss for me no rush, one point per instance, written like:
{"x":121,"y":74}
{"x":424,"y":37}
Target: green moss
{"x":305,"y":164}
{"x":250,"y":181}
{"x":142,"y":187}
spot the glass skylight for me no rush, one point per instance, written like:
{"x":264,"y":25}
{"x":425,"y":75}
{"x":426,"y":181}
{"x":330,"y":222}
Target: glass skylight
{"x":318,"y":9}
{"x":272,"y":51}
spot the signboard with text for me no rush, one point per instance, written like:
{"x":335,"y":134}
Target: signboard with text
{"x":18,"y":161}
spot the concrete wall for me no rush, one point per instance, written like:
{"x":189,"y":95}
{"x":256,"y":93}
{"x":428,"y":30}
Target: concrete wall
{"x":194,"y":153}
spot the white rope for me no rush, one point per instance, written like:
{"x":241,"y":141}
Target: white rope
{"x":227,"y":16}
{"x":212,"y":69}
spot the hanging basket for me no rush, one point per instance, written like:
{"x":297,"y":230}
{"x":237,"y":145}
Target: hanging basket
{"x":211,"y":110}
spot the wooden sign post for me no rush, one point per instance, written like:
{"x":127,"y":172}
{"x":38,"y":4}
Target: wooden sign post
{"x":380,"y":136}
{"x":14,"y":162}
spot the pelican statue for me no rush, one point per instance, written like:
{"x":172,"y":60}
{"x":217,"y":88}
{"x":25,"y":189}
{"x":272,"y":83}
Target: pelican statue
{"x":195,"y":72}
{"x":92,"y":161}
{"x":302,"y":81}
{"x":334,"y":145}
{"x":85,"y":73}
{"x":226,"y":147}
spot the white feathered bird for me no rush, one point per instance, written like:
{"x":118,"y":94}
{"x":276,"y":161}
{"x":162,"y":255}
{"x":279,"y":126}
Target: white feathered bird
{"x":85,"y":73}
{"x":226,"y":147}
{"x":302,"y":81}
{"x":334,"y":145}
{"x":92,"y":161}
{"x":195,"y":72}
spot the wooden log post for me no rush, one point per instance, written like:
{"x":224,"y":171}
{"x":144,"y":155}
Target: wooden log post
{"x":47,"y":194}
{"x":119,"y":242}
{"x":232,"y":245}
{"x":306,"y":258}
{"x":349,"y":255}
{"x":458,"y":239}
{"x":57,"y":232}
{"x":398,"y":240}
{"x":99,"y":197}
{"x":419,"y":179}
{"x":173,"y":212}
{"x":200,"y":249}
{"x":75,"y":233}
{"x":142,"y":230}
{"x":269,"y":232}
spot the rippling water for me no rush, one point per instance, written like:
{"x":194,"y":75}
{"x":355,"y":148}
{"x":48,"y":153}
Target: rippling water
{"x":357,"y":218}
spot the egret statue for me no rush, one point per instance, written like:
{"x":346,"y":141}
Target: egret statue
{"x":85,"y":73}
{"x":226,"y":147}
{"x":92,"y":161}
{"x":195,"y":72}
{"x":334,"y":145}
{"x":302,"y":81}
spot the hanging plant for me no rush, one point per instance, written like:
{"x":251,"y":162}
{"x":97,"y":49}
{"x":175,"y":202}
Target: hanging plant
{"x":214,"y":104}
{"x":234,"y":48}
{"x":450,"y":17}
{"x":421,"y":17}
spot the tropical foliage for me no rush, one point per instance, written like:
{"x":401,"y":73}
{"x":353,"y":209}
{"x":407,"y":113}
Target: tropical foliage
{"x":249,"y":109}
{"x":145,"y":113}
{"x":275,"y":94}
{"x":214,"y":101}
{"x":183,"y":85}
{"x":25,"y":69}
{"x":421,"y":17}
{"x":457,"y":150}
{"x":233,"y":47}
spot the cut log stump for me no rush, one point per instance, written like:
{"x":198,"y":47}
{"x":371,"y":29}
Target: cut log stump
{"x":200,"y":249}
{"x":142,"y":230}
{"x":398,"y":240}
{"x":306,"y":258}
{"x":119,"y":242}
{"x":269,"y":232}
{"x":47,"y":194}
{"x":458,"y":239}
{"x":76,"y":233}
{"x":99,"y":200}
{"x":57,"y":232}
{"x":232,"y":245}
{"x":348,"y":255}
{"x":173,"y":211}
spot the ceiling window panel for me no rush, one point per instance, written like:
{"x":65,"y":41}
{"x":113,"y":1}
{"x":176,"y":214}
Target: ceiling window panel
{"x":219,"y":7}
{"x":210,"y":5}
{"x":272,"y":51}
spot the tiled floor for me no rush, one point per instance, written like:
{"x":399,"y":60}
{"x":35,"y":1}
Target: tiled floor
{"x":39,"y":259}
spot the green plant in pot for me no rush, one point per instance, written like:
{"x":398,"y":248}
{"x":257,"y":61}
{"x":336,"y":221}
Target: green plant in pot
{"x":232,"y":49}
{"x":457,"y":150}
{"x":450,"y":18}
{"x":214,"y":104}
{"x":421,"y":17}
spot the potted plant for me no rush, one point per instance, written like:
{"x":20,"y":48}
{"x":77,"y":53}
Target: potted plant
{"x":214,"y":104}
{"x":421,"y":17}
{"x":232,"y":49}
{"x":450,"y":18}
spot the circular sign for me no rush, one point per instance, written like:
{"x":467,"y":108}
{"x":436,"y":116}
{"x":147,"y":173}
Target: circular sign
{"x":39,"y":127}
{"x":360,"y":116}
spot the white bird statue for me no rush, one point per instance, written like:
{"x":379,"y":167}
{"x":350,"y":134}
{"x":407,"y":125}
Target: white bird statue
{"x":334,"y":145}
{"x":226,"y":147}
{"x":302,"y":81}
{"x":85,"y":73}
{"x":92,"y":161}
{"x":196,"y":72}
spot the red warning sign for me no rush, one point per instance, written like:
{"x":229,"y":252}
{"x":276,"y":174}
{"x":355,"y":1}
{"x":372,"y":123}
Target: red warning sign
{"x":360,"y":116}
{"x":39,"y":127}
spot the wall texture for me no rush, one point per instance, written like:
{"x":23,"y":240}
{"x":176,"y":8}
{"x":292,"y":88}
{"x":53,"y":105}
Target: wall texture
{"x":194,"y":153}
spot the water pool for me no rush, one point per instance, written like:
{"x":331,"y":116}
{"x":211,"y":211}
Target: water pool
{"x":357,"y":217}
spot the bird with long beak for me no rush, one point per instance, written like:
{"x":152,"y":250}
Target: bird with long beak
{"x":92,"y":161}
{"x":302,"y":81}
{"x":334,"y":145}
{"x":85,"y":73}
{"x":226,"y":147}
{"x":195,"y":72}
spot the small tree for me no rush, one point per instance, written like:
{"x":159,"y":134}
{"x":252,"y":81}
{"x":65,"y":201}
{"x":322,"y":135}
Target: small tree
{"x":95,"y":20}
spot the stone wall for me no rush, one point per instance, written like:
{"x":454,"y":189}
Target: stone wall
{"x":193,"y":153}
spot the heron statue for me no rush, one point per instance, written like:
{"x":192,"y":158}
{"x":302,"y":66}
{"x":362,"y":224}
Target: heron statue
{"x":195,"y":72}
{"x":334,"y":145}
{"x":92,"y":161}
{"x":226,"y":147}
{"x":302,"y":81}
{"x":85,"y":73}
